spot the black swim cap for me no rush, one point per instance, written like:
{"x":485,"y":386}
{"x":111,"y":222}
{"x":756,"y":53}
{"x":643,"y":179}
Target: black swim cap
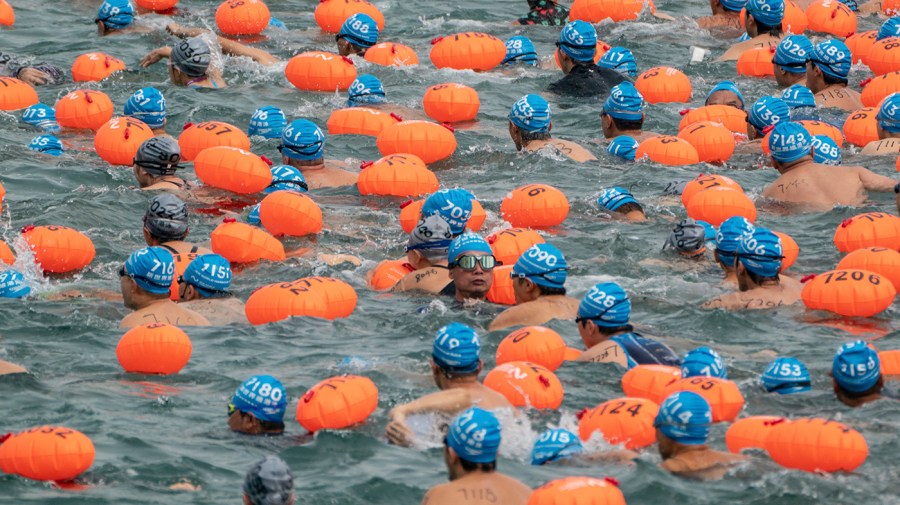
{"x":269,"y":482}
{"x":159,"y":156}
{"x":191,"y":56}
{"x":166,"y":217}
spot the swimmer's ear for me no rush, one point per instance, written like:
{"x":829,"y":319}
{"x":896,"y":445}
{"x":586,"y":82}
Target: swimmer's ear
{"x":550,"y":127}
{"x":480,"y":366}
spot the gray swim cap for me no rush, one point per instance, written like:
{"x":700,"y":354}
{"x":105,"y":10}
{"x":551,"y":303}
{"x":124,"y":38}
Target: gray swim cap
{"x":269,"y":482}
{"x":191,"y":56}
{"x":159,"y":156}
{"x":675,"y":188}
{"x":688,"y":237}
{"x":432,"y":236}
{"x":166,"y":217}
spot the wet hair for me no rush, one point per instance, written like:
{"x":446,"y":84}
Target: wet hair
{"x":763,"y":28}
{"x":618,"y":329}
{"x":271,"y":426}
{"x":529,"y":136}
{"x":548,"y":291}
{"x":625,"y":208}
{"x":759,"y":279}
{"x":483,"y":467}
{"x":830,"y":80}
{"x":623,"y":124}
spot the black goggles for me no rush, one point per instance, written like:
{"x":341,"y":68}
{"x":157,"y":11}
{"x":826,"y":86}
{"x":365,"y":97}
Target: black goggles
{"x":438,"y":244}
{"x":514,"y":275}
{"x":469,"y":262}
{"x":124,"y":273}
{"x":304,"y":150}
{"x":300,"y":184}
{"x":573,"y":46}
{"x":755,"y":257}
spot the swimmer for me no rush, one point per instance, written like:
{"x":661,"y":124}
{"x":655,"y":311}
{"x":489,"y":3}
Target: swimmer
{"x":623,"y":113}
{"x":358,"y":33}
{"x":763,"y":115}
{"x":454,"y":205}
{"x":455,"y":367}
{"x":576,"y":48}
{"x":619,"y":59}
{"x":726,"y":18}
{"x":729,"y":235}
{"x":258,"y":406}
{"x":166,"y":225}
{"x":38,"y":74}
{"x":530,"y":124}
{"x":203,"y":288}
{"x":539,"y":278}
{"x":623,"y":147}
{"x":368,"y":91}
{"x":757,"y":265}
{"x":604,"y":328}
{"x":267,"y":122}
{"x":269,"y":482}
{"x":7,"y":368}
{"x":470,"y":453}
{"x":42,"y":117}
{"x":621,"y":204}
{"x":560,"y":446}
{"x":149,"y":106}
{"x":426,"y":251}
{"x":13,"y":284}
{"x":303,"y":147}
{"x":801,"y":102}
{"x":155,"y":165}
{"x":826,"y":76}
{"x":790,"y":60}
{"x":725,"y":93}
{"x":703,"y":362}
{"x":115,"y":17}
{"x":546,"y":13}
{"x":46,"y":144}
{"x":825,"y":150}
{"x":688,"y":239}
{"x":888,"y":127}
{"x":786,"y":376}
{"x":471,"y":266}
{"x":890,"y":28}
{"x":520,"y":49}
{"x":682,"y":430}
{"x":145,"y":281}
{"x":856,"y":374}
{"x":801,"y":184}
{"x":763,"y":27}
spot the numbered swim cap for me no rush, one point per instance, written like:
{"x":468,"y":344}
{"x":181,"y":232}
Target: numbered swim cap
{"x":41,"y":116}
{"x":856,"y":367}
{"x":623,"y":146}
{"x":798,"y":95}
{"x":688,"y":237}
{"x":152,"y":268}
{"x":606,"y":304}
{"x":520,"y":49}
{"x":147,"y":105}
{"x":825,"y":150}
{"x":432,"y":237}
{"x":191,"y":56}
{"x":768,"y":111}
{"x":210,"y":274}
{"x":760,"y":253}
{"x":890,"y":28}
{"x":475,"y":436}
{"x":166,"y":218}
{"x":542,"y":264}
{"x":685,"y":417}
{"x":454,"y":205}
{"x":269,"y":482}
{"x":359,"y":30}
{"x":456,"y":348}
{"x":253,"y":216}
{"x":47,"y":144}
{"x":286,"y":178}
{"x":159,"y":156}
{"x":531,"y":113}
{"x":554,"y":445}
{"x":467,"y":243}
{"x":703,"y":362}
{"x":625,"y":102}
{"x":619,"y":59}
{"x":729,"y":87}
{"x":263,"y":396}
{"x":833,"y":58}
{"x":267,"y":122}
{"x":731,"y":231}
{"x":365,"y":89}
{"x":116,"y":14}
{"x":733,"y":5}
{"x":578,"y":40}
{"x":792,"y":53}
{"x":786,"y":375}
{"x":302,"y":140}
{"x":767,"y":12}
{"x":789,"y":142}
{"x":889,"y":114}
{"x":613,"y":198}
{"x":13,"y":285}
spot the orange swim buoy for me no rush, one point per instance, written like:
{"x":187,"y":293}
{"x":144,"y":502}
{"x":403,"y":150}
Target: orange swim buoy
{"x":649,"y":381}
{"x":95,"y":67}
{"x":360,"y":121}
{"x":883,"y":58}
{"x":388,"y":273}
{"x":733,"y":119}
{"x":6,"y":254}
{"x":118,"y":140}
{"x":510,"y":243}
{"x":242,"y":243}
{"x":526,"y":384}
{"x":83,"y":108}
{"x":723,"y":395}
{"x":535,"y":206}
{"x":232,"y":169}
{"x":890,"y":362}
{"x":860,"y":44}
{"x":714,"y":143}
{"x":706,"y":181}
{"x":7,"y":14}
{"x":331,"y":14}
{"x":535,"y":344}
{"x":756,"y":62}
{"x":861,"y":127}
{"x":16,"y":94}
{"x":411,"y":214}
{"x":880,"y":87}
{"x":751,"y":432}
{"x":794,"y":20}
{"x":397,"y":175}
{"x":47,"y":453}
{"x":181,"y":263}
{"x":667,"y":150}
{"x":829,"y":16}
{"x":467,"y":51}
{"x":340,"y":297}
{"x":290,"y":213}
{"x":880,"y":260}
{"x":817,"y":445}
{"x":154,"y":348}
{"x":337,"y":403}
{"x":157,"y":5}
{"x":789,"y":249}
{"x":871,"y":229}
{"x":451,"y":103}
{"x":501,"y":291}
{"x":627,"y":421}
{"x":578,"y":491}
{"x":198,"y":137}
{"x":429,"y":141}
{"x":851,"y":293}
{"x":390,"y":54}
{"x":664,"y":85}
{"x":242,"y":17}
{"x":594,"y":11}
{"x":890,"y":7}
{"x":823,"y":128}
{"x":320,"y":71}
{"x":324,"y":298}
{"x":602,"y":48}
{"x":715,"y":205}
{"x":58,"y":249}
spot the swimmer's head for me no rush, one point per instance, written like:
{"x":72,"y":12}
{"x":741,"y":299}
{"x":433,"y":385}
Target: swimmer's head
{"x":688,"y":238}
{"x":733,"y":5}
{"x":760,"y":253}
{"x":554,"y":445}
{"x":531,"y":114}
{"x":13,"y":284}
{"x":888,"y":116}
{"x":801,"y":102}
{"x":267,"y":122}
{"x":263,"y":396}
{"x":833,"y":58}
{"x":430,"y":239}
{"x":676,"y":188}
{"x":148,"y":105}
{"x":158,"y":156}
{"x":454,"y":205}
{"x":544,"y":265}
{"x":253,"y":216}
{"x":41,"y":116}
{"x":789,"y":142}
{"x":785,"y":376}
{"x":209,"y":275}
{"x":269,"y":482}
{"x":624,"y":147}
{"x":456,"y":349}
{"x":623,"y":110}
{"x":366,"y":89}
{"x":359,"y":30}
{"x":856,"y":367}
{"x":151,"y":268}
{"x":613,"y":199}
{"x":765,"y":112}
{"x":607,"y":305}
{"x":302,"y":140}
{"x":166,"y":219}
{"x":685,"y":418}
{"x":578,"y":41}
{"x":467,"y":243}
{"x":115,"y":14}
{"x":619,"y":59}
{"x":731,"y":231}
{"x":475,"y":436}
{"x":725,"y":93}
{"x":890,"y":28}
{"x":766,"y":14}
{"x":703,"y":362}
{"x":520,"y":49}
{"x":286,"y":178}
{"x":191,"y":57}
{"x":792,"y":53}
{"x":47,"y":144}
{"x":825,"y":150}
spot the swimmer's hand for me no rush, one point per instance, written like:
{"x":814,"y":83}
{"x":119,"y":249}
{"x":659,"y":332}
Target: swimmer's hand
{"x":184,"y":485}
{"x":337,"y":259}
{"x":397,"y":432}
{"x":33,"y":76}
{"x":155,"y":55}
{"x":184,"y":31}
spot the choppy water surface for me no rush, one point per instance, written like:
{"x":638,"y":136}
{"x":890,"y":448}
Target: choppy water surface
{"x":151,"y":432}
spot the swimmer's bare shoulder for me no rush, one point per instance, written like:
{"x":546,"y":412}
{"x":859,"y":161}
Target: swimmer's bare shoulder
{"x":704,"y":465}
{"x":604,"y":352}
{"x":479,"y":488}
{"x":545,"y":308}
{"x":428,"y":280}
{"x":171,"y":314}
{"x":7,"y":368}
{"x":572,"y":150}
{"x":881,"y":147}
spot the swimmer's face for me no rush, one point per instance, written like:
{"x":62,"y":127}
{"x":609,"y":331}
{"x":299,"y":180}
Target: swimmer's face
{"x":472,"y":283}
{"x":725,"y":97}
{"x":515,"y":136}
{"x":127,"y":286}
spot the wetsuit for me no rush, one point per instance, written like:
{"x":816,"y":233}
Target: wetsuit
{"x":545,"y":12}
{"x":587,"y":80}
{"x":10,"y":66}
{"x":644,"y":351}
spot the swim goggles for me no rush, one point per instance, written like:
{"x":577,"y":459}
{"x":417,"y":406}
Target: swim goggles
{"x":213,"y":293}
{"x":300,"y":184}
{"x":579,"y":320}
{"x":437,"y":244}
{"x":468,"y":262}
{"x":124,"y":273}
{"x":303,"y":150}
{"x":514,"y":275}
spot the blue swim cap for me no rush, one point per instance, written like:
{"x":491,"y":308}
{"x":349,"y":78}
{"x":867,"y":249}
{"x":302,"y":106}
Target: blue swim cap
{"x":554,"y":445}
{"x":768,"y":111}
{"x":825,"y":150}
{"x":531,"y":113}
{"x":613,"y":198}
{"x":152,"y":268}
{"x":792,"y":53}
{"x":210,"y":274}
{"x":733,"y":5}
{"x":685,"y":417}
{"x":625,"y":102}
{"x":456,"y":348}
{"x":624,"y":147}
{"x":890,"y":28}
{"x":542,"y":264}
{"x":731,"y":231}
{"x":454,"y":205}
{"x":856,"y":367}
{"x":889,"y":114}
{"x":276,"y":23}
{"x":578,"y":40}
{"x":789,"y":142}
{"x":267,"y":122}
{"x":709,"y":232}
{"x":41,"y":116}
{"x":744,"y":37}
{"x":703,"y":362}
{"x":467,"y":242}
{"x":116,"y":14}
{"x":520,"y":49}
{"x":833,"y":58}
{"x":798,"y":95}
{"x":366,"y":89}
{"x":263,"y":396}
{"x":47,"y":144}
{"x":767,"y":12}
{"x":303,"y":140}
{"x":12,"y":284}
{"x":475,"y":436}
{"x":253,"y":217}
{"x":760,"y":253}
{"x":607,"y":305}
{"x":360,"y":30}
{"x":727,"y":86}
{"x":286,"y":178}
{"x":619,"y":59}
{"x":148,"y":105}
{"x":785,"y":376}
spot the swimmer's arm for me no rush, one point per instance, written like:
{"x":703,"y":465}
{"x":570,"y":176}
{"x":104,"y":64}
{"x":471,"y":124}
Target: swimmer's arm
{"x":449,"y":401}
{"x":507,"y":318}
{"x":7,"y":368}
{"x":228,"y":46}
{"x":717,"y":303}
{"x":897,"y":198}
{"x":33,"y":76}
{"x":156,"y":55}
{"x":874,"y":182}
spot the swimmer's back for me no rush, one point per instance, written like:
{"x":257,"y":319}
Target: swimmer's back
{"x":587,"y":81}
{"x":479,"y":488}
{"x":566,"y":147}
{"x":882,"y":147}
{"x":219,"y":311}
{"x":805,"y":186}
{"x":164,"y":312}
{"x":702,"y":465}
{"x":434,"y":280}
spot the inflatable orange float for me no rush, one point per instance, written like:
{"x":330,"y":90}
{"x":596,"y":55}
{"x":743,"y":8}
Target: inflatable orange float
{"x":154,"y":348}
{"x":535,"y":206}
{"x":242,"y":17}
{"x":817,"y":445}
{"x":118,"y":140}
{"x":467,"y":51}
{"x":858,"y":293}
{"x":526,"y":385}
{"x":320,"y":71}
{"x":397,"y":175}
{"x":242,"y":243}
{"x":197,"y":137}
{"x":390,"y":54}
{"x":510,"y":243}
{"x":87,"y":109}
{"x":95,"y":67}
{"x":627,"y":421}
{"x":58,"y":249}
{"x":337,"y":403}
{"x":360,"y":121}
{"x":535,"y":344}
{"x":649,"y":381}
{"x":667,"y":150}
{"x":429,"y":141}
{"x":49,"y":453}
{"x":232,"y":169}
{"x":751,"y":432}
